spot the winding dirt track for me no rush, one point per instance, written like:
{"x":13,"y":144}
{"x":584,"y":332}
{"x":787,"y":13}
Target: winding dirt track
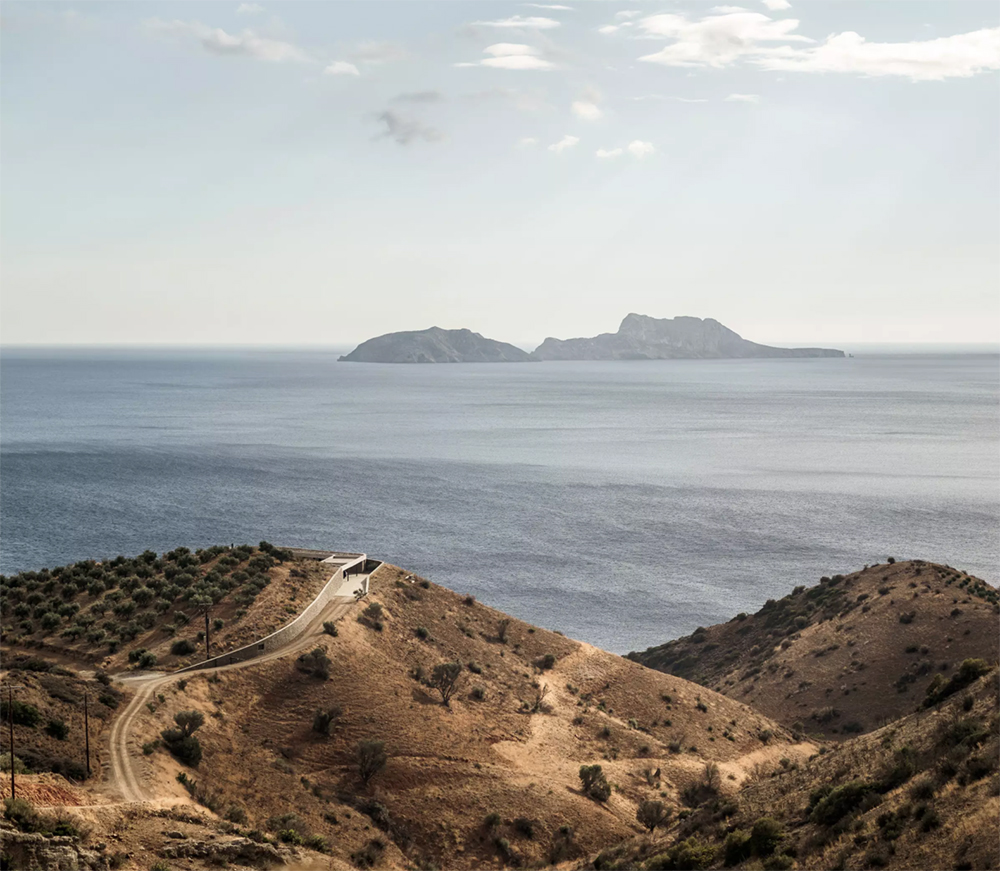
{"x":124,"y":777}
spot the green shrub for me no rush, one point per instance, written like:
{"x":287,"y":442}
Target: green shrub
{"x":330,"y":628}
{"x":968,"y":672}
{"x":524,"y":827}
{"x":829,"y":805}
{"x":22,"y":713}
{"x":765,"y":836}
{"x":652,"y":814}
{"x":326,"y":720}
{"x":594,"y":782}
{"x":315,"y":663}
{"x":182,"y":647}
{"x":372,"y":758}
{"x":692,"y":854}
{"x":57,"y":729}
{"x":736,"y":848}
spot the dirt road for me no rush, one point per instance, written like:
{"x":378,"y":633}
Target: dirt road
{"x":124,"y":777}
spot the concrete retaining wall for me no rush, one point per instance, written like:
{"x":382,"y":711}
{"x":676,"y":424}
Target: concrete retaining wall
{"x":289,"y":632}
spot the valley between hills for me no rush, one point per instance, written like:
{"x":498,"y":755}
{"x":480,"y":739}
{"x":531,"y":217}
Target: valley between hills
{"x":854,"y":723}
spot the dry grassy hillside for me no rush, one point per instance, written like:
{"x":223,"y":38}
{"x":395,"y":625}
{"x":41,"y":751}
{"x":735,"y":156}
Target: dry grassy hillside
{"x":847,"y":655}
{"x":491,"y":778}
{"x":920,"y":793}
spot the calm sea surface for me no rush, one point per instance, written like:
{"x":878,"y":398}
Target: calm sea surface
{"x":622,"y":503}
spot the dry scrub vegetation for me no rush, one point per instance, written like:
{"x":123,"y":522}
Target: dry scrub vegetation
{"x":847,"y":655}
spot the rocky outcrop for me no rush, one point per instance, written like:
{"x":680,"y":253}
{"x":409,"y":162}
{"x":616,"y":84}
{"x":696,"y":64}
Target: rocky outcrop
{"x":435,"y":346}
{"x":43,"y":853}
{"x":238,"y":850}
{"x":644,"y":338}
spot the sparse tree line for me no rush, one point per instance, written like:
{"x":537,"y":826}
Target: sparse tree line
{"x":109,"y":604}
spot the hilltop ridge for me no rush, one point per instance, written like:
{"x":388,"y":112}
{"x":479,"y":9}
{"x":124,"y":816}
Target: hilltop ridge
{"x":641,"y":337}
{"x":435,"y":345}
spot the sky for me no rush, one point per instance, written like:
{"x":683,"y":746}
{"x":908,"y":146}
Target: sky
{"x":805,"y":171}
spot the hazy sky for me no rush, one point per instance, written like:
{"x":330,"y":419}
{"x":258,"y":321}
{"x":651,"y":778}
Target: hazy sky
{"x":324,"y":172}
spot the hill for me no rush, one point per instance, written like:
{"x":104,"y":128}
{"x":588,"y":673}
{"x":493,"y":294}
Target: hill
{"x":418,"y":727}
{"x":435,"y":346}
{"x":644,"y":338}
{"x":848,"y":654}
{"x":491,"y":777}
{"x":919,"y":793}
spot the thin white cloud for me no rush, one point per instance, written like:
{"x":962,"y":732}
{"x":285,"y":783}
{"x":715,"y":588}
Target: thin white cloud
{"x":609,"y":153}
{"x":521,"y":22}
{"x":564,"y":143}
{"x":586,"y":110}
{"x":727,"y":37}
{"x":960,"y":56}
{"x":728,"y":10}
{"x":341,"y":68}
{"x":378,"y":53}
{"x":716,"y":40}
{"x":527,"y":142}
{"x":406,"y":130}
{"x":608,"y":29}
{"x":644,"y":97}
{"x":217,"y":41}
{"x":549,"y":6}
{"x":511,"y":56}
{"x":743,"y":98}
{"x":627,"y":14}
{"x":777,"y":5}
{"x":586,"y":105}
{"x":639,"y":149}
{"x":418,"y":97}
{"x":249,"y":9}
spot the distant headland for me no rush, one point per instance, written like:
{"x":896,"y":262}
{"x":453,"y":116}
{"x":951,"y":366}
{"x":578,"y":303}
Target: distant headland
{"x":638,"y":338}
{"x":435,"y":346}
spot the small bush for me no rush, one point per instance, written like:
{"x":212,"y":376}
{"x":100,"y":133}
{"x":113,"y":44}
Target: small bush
{"x":830,"y":805}
{"x":546,"y":662}
{"x":524,"y":827}
{"x":652,"y":814}
{"x":182,"y":647}
{"x":594,"y":782}
{"x":372,"y":758}
{"x":315,"y":663}
{"x":765,"y":836}
{"x":22,"y":713}
{"x":445,"y":679}
{"x":57,"y":729}
{"x":491,"y":821}
{"x":326,"y":720}
{"x":422,"y":633}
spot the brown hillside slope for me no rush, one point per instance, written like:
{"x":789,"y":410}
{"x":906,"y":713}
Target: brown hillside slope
{"x":451,"y":767}
{"x":848,"y":654}
{"x":919,"y":793}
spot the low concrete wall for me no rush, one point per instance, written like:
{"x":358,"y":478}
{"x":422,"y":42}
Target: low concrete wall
{"x":289,"y":632}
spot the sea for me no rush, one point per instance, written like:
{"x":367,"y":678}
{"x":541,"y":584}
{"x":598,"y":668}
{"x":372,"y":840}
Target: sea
{"x":622,"y":503}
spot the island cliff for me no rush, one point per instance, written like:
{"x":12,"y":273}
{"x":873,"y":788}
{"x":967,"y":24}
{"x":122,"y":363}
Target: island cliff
{"x":644,"y":338}
{"x":436,"y":346}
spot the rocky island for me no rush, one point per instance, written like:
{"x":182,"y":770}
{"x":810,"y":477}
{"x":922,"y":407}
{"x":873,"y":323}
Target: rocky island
{"x":435,"y":346}
{"x":641,"y":337}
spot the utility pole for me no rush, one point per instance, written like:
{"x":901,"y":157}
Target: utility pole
{"x":86,"y":724}
{"x":10,"y":723}
{"x":207,"y":654}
